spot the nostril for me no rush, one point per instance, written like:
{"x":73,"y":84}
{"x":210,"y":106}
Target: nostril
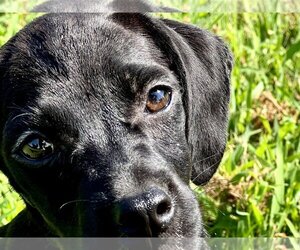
{"x":163,"y":208}
{"x":161,"y":212}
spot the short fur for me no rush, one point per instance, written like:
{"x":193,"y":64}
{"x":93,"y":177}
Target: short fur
{"x":81,"y":80}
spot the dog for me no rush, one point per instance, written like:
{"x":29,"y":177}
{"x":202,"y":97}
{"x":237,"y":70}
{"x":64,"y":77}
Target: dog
{"x":105,"y":120}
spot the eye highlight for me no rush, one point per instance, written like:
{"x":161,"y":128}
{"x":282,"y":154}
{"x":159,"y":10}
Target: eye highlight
{"x":37,"y":148}
{"x":158,"y":99}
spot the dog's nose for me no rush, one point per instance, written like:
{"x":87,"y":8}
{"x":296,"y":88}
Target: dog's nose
{"x":145,"y":215}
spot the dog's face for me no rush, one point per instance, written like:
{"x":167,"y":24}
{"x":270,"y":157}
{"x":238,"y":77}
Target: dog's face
{"x":106,"y":118}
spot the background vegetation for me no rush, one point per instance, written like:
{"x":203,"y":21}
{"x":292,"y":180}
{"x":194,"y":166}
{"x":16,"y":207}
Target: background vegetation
{"x":256,"y":191}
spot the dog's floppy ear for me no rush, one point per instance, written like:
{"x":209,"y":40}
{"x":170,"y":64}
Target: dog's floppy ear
{"x":203,"y":64}
{"x":207,"y":64}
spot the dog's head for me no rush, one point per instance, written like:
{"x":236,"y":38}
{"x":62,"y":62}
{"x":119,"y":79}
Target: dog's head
{"x":106,"y":118}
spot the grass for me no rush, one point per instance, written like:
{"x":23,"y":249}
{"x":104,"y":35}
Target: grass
{"x":256,"y":191}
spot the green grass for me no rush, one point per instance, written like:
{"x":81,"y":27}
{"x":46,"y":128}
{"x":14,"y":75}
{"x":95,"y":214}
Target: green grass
{"x":256,"y":191}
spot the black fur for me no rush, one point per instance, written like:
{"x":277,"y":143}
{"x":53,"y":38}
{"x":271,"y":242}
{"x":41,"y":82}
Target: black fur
{"x":81,"y":81}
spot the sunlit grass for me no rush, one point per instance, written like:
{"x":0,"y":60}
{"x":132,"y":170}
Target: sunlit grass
{"x":257,"y":189}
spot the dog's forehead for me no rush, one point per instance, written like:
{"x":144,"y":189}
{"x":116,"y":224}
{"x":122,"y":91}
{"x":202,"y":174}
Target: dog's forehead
{"x":83,"y":44}
{"x":82,"y":33}
{"x":67,"y":58}
{"x":87,"y":67}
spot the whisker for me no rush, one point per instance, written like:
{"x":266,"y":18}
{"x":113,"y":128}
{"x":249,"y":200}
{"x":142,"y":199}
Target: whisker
{"x":206,"y":158}
{"x":223,"y":181}
{"x":210,"y":167}
{"x":74,"y":201}
{"x":20,"y":115}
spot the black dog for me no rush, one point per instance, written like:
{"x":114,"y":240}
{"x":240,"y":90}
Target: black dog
{"x":105,"y":118}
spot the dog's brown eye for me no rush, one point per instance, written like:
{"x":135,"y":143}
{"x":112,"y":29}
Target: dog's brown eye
{"x":158,"y":99}
{"x":37,"y":148}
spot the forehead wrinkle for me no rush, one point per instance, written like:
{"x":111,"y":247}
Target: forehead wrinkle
{"x":141,"y":74}
{"x":63,"y":113}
